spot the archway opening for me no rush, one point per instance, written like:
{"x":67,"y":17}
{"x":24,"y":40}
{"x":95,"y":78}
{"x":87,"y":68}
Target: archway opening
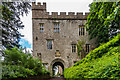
{"x":57,"y":69}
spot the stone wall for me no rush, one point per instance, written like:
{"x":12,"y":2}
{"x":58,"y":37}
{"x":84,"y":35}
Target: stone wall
{"x":63,"y":40}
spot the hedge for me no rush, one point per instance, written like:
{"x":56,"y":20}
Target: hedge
{"x":102,"y":62}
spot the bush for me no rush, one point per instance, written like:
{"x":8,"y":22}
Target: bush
{"x":101,"y":50}
{"x":14,"y":71}
{"x":102,"y":62}
{"x":18,"y":64}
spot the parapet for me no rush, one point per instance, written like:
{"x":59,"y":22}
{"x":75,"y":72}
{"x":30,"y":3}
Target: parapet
{"x":39,"y":6}
{"x":39,"y":11}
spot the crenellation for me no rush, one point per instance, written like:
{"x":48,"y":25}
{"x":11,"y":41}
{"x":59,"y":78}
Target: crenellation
{"x":71,"y":13}
{"x":38,"y":6}
{"x":54,"y":14}
{"x":44,"y":3}
{"x":79,"y":13}
{"x":41,"y":9}
{"x":33,"y":3}
{"x":62,"y":15}
{"x":39,"y":3}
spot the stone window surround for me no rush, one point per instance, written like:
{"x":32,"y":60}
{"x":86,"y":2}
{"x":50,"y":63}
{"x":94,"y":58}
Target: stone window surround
{"x":41,"y":27}
{"x":81,"y":30}
{"x":49,"y":44}
{"x":74,"y":48}
{"x":56,"y":26}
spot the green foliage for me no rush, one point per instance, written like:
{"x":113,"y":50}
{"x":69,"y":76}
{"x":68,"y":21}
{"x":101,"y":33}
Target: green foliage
{"x":18,"y":64}
{"x":103,"y":20}
{"x":14,"y":57}
{"x":11,"y":23}
{"x":80,"y":48}
{"x":102,"y":62}
{"x":14,"y":71}
{"x":101,"y":50}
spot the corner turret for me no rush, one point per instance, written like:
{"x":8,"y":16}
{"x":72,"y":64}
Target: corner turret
{"x":39,"y":6}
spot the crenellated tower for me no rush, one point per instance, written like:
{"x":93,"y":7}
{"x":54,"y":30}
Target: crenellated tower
{"x":55,"y":36}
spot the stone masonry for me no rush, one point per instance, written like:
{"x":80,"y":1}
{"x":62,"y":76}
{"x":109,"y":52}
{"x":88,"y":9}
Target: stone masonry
{"x":61,"y":41}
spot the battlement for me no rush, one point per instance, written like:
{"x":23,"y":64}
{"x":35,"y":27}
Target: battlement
{"x":39,"y":6}
{"x":39,"y":11}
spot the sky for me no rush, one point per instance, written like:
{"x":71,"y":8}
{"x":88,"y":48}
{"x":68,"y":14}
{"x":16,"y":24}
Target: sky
{"x":52,"y":6}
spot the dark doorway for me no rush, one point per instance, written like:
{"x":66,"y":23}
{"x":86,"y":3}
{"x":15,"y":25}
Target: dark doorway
{"x":57,"y":69}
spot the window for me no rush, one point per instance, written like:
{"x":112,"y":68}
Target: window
{"x":73,"y":48}
{"x":81,"y":30}
{"x":49,"y":44}
{"x":87,"y":48}
{"x":56,"y":27}
{"x":41,"y":27}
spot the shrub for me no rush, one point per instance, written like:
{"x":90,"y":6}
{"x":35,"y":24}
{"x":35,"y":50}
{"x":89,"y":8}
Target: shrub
{"x":14,"y":71}
{"x":102,"y":62}
{"x":101,"y":50}
{"x":18,"y":64}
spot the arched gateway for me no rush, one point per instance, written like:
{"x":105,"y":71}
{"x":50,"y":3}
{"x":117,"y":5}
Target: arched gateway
{"x":56,"y":62}
{"x":55,"y":36}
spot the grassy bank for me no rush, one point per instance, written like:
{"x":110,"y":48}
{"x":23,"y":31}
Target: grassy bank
{"x":102,"y":62}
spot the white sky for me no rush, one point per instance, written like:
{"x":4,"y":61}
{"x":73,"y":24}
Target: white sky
{"x":54,"y":6}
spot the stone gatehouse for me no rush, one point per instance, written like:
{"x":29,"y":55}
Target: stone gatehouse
{"x":55,"y":36}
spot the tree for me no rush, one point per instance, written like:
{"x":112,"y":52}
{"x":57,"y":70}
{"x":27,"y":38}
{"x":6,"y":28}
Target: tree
{"x":18,"y":64}
{"x":103,"y":22}
{"x":11,"y":22}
